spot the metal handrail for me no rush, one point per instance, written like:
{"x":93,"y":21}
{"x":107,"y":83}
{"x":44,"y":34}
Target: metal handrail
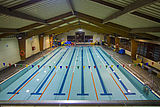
{"x":84,"y":103}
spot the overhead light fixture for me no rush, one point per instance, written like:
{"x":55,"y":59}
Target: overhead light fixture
{"x":20,"y":37}
{"x":80,"y":30}
{"x":123,"y":38}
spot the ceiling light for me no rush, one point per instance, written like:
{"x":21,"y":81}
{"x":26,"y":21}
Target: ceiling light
{"x":80,"y":30}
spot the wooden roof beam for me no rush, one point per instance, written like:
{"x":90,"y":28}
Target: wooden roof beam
{"x":146,"y":16}
{"x":144,"y":30}
{"x":62,"y":29}
{"x":149,"y":36}
{"x":118,"y":26}
{"x":75,"y":26}
{"x":21,"y":15}
{"x":48,"y":21}
{"x":38,"y":24}
{"x":112,"y":27}
{"x":121,"y":32}
{"x":42,"y":29}
{"x":108,"y":4}
{"x":94,"y":28}
{"x":137,"y":4}
{"x":70,"y":4}
{"x":4,"y":30}
{"x":27,"y":3}
{"x":98,"y":21}
{"x":122,"y":8}
{"x":59,"y":17}
{"x":79,"y":14}
{"x":91,"y":29}
{"x":48,"y":28}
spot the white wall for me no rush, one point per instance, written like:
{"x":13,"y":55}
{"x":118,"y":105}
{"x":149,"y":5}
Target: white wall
{"x":46,"y":43}
{"x":30,"y":42}
{"x":9,"y":54}
{"x":96,"y":36}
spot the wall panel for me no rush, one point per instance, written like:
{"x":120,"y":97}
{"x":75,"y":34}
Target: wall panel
{"x":9,"y":51}
{"x":32,"y":42}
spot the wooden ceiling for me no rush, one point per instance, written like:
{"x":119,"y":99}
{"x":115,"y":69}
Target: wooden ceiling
{"x":93,"y":22}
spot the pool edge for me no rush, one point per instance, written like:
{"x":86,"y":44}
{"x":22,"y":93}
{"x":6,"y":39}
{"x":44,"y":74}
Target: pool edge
{"x":83,"y":103}
{"x":152,"y":91}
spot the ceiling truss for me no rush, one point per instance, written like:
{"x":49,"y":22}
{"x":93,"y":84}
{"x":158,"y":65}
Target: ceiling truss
{"x":103,"y":28}
{"x":122,"y":8}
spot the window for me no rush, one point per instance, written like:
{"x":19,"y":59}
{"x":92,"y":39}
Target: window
{"x":88,"y":38}
{"x":156,"y":53}
{"x":142,"y":49}
{"x":80,"y":36}
{"x":148,"y":50}
{"x":71,"y":38}
{"x":125,"y":43}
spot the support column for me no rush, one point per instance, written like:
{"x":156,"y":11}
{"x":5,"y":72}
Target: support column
{"x":108,"y":41}
{"x":51,"y":40}
{"x":22,"y":45}
{"x":117,"y":42}
{"x":41,"y":42}
{"x":134,"y":46}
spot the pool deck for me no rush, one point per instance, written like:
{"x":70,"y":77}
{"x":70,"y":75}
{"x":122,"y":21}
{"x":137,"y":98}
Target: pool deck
{"x":146,"y":77}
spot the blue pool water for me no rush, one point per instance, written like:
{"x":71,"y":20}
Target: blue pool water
{"x":75,"y":73}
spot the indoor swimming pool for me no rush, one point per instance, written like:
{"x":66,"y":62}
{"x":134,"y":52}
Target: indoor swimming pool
{"x":75,"y":73}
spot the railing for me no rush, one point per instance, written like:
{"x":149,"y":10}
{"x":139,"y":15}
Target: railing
{"x":83,"y":103}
